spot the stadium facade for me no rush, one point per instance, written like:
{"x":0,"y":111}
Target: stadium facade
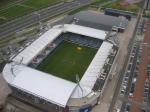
{"x":46,"y":91}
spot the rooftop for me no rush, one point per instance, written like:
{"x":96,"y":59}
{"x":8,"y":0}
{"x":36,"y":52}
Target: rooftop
{"x":99,"y":21}
{"x":52,"y":88}
{"x":38,"y":45}
{"x":39,"y":84}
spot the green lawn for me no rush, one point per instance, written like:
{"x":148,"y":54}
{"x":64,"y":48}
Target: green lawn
{"x":66,"y":61}
{"x":40,"y":3}
{"x":100,"y":1}
{"x":5,"y":3}
{"x":14,"y":11}
{"x":117,"y":5}
{"x":25,"y":7}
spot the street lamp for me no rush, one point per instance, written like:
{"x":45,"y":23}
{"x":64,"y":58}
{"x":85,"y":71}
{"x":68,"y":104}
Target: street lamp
{"x":39,"y":16}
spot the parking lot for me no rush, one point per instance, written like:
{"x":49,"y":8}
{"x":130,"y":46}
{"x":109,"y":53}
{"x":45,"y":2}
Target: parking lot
{"x":129,"y":79}
{"x":134,"y":92}
{"x":142,"y":91}
{"x":124,"y":39}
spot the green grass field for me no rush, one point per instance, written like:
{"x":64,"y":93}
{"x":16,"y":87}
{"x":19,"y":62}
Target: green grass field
{"x":6,"y":3}
{"x":67,"y":60}
{"x":40,"y":3}
{"x":14,"y":11}
{"x":24,"y":7}
{"x":117,"y":5}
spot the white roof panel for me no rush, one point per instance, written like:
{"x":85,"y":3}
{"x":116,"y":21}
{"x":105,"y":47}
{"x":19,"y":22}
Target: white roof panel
{"x":93,"y":71}
{"x":37,"y":46}
{"x":54,"y":89}
{"x":43,"y":85}
{"x":28,"y":79}
{"x":87,"y":31}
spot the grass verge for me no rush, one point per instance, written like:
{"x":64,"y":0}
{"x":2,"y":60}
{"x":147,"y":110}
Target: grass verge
{"x":26,"y":7}
{"x":117,"y":5}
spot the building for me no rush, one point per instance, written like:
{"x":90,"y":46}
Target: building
{"x":99,"y":21}
{"x":117,"y":13}
{"x":51,"y":93}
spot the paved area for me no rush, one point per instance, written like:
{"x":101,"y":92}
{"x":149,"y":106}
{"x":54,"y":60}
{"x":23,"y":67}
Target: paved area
{"x":4,"y":90}
{"x":133,"y":1}
{"x":108,"y":94}
{"x":124,"y":39}
{"x":142,"y":74}
{"x":32,"y":18}
{"x":17,"y":106}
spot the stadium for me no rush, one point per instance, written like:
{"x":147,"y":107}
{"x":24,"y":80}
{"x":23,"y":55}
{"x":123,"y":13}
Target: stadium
{"x":65,"y":70}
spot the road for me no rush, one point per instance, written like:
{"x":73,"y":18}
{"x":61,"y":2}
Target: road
{"x":134,"y":61}
{"x":131,"y":74}
{"x":116,"y":94}
{"x":119,"y":82}
{"x":4,"y":90}
{"x":24,"y":21}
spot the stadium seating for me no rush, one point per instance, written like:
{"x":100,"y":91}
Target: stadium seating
{"x":71,"y":37}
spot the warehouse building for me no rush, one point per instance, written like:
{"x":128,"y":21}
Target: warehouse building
{"x":99,"y":21}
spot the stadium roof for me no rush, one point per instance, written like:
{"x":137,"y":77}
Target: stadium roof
{"x":99,"y":21}
{"x":40,"y":84}
{"x":93,"y":71}
{"x":87,"y":31}
{"x":54,"y":89}
{"x":46,"y":86}
{"x":38,"y":45}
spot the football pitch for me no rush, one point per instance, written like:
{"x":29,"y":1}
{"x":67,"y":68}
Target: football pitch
{"x":68,"y":60}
